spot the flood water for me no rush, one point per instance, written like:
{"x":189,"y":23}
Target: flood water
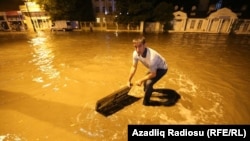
{"x":50,"y":83}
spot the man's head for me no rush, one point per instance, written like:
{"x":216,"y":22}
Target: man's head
{"x":139,"y":44}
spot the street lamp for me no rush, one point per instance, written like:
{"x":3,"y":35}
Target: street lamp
{"x":27,"y":7}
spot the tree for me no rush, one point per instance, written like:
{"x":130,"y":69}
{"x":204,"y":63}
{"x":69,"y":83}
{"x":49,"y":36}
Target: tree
{"x":74,"y":10}
{"x":163,"y":13}
{"x":135,"y":11}
{"x":122,"y":11}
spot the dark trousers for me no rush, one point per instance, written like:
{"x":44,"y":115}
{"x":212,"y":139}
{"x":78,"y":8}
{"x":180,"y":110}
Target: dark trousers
{"x":148,"y":85}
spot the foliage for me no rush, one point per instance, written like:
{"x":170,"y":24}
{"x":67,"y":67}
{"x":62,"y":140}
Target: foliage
{"x":80,"y":10}
{"x":135,"y":11}
{"x":163,"y":12}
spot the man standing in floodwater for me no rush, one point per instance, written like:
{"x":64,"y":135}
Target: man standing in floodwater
{"x":152,"y":60}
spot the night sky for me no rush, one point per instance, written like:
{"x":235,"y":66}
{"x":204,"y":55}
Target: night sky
{"x":235,"y":5}
{"x":10,"y":5}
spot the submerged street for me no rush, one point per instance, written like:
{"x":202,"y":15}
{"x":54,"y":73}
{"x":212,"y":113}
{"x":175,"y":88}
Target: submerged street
{"x":50,"y":83}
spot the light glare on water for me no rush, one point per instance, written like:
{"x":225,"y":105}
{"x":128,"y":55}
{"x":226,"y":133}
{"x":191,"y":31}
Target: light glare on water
{"x":51,"y":82}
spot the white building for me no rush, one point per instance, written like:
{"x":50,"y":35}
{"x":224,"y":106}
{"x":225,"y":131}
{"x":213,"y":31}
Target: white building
{"x":220,"y":21}
{"x":35,"y":17}
{"x":242,"y":26}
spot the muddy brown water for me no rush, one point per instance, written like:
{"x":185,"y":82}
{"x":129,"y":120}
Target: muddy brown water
{"x":50,"y":83}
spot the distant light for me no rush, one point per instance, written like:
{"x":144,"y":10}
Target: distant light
{"x":218,"y":4}
{"x":31,"y":3}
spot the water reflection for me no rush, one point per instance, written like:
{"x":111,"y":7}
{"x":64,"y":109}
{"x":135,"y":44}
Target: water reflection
{"x":43,"y":58}
{"x":209,"y":72}
{"x":11,"y":137}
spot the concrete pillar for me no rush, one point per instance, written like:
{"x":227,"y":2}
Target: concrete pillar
{"x":141,"y":26}
{"x":219,"y":26}
{"x":209,"y":25}
{"x":28,"y":23}
{"x":230,"y":25}
{"x":248,"y":28}
{"x":157,"y":27}
{"x":184,"y":25}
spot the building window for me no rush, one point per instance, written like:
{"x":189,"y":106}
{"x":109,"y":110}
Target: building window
{"x":1,"y":18}
{"x":199,"y":24}
{"x":192,"y":24}
{"x":97,"y":9}
{"x":238,"y":24}
{"x":98,"y":20}
{"x":103,"y":9}
{"x":245,"y":27}
{"x":110,"y":9}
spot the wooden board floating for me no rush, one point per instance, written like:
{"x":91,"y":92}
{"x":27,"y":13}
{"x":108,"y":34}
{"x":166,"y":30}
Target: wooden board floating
{"x":115,"y":101}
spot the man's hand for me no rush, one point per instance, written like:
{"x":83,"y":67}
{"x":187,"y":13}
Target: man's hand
{"x":145,"y":78}
{"x":129,"y":84}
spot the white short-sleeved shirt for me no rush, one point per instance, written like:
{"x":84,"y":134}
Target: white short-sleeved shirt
{"x":150,"y":59}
